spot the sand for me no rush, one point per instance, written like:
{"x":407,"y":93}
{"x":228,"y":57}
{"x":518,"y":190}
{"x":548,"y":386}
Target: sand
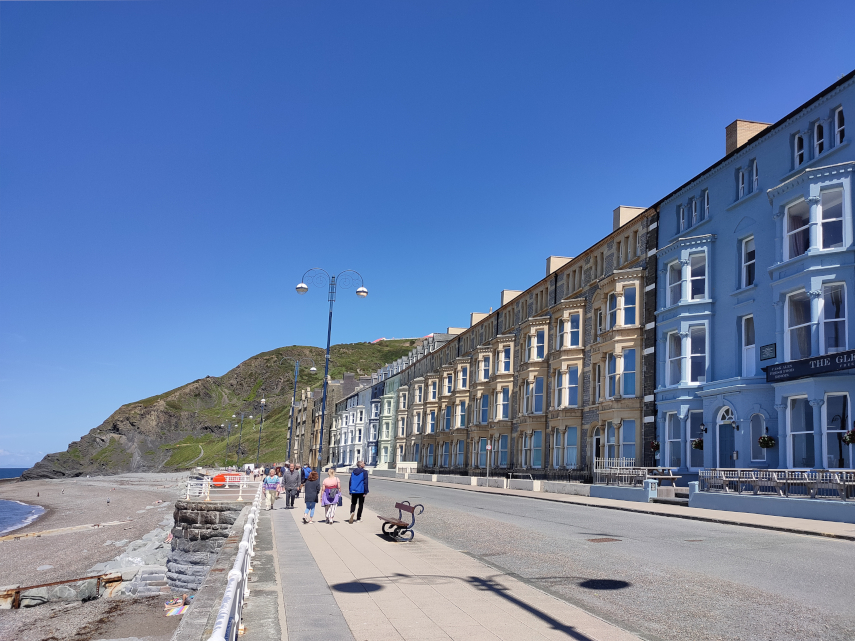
{"x":139,"y":501}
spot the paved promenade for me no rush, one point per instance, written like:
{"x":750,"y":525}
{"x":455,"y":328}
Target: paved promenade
{"x":346,"y":581}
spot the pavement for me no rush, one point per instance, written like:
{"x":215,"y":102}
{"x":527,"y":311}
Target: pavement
{"x":829,"y":529}
{"x":346,"y":581}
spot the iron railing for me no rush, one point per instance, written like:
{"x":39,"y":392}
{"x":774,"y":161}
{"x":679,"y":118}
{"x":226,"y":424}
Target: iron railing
{"x":234,"y":487}
{"x":819,"y":484}
{"x":227,"y":624}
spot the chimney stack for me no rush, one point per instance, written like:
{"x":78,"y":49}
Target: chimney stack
{"x":739,"y":132}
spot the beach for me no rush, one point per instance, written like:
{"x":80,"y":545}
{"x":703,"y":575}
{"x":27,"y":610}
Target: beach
{"x":125,"y":507}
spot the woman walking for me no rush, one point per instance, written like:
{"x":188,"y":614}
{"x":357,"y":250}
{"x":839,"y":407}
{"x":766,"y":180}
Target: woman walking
{"x":331,"y":495}
{"x":312,"y":488}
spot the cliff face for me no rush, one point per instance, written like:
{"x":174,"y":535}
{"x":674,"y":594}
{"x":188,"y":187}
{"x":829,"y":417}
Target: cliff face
{"x":190,"y":425}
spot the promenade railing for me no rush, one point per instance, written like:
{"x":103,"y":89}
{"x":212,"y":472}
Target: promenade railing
{"x":813,"y":484}
{"x":230,"y":486}
{"x":227,"y":624}
{"x":623,"y":471}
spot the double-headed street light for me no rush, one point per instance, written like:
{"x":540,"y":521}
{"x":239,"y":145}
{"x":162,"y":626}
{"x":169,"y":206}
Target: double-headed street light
{"x":312,"y":369}
{"x":260,"y":429}
{"x":320,"y":277}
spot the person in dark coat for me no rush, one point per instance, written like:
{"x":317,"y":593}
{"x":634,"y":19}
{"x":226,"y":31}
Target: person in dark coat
{"x":358,"y":489}
{"x":312,"y":489}
{"x":291,"y":484}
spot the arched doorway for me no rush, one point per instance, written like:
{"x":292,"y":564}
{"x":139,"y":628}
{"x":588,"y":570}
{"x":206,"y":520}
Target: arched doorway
{"x":726,"y":440}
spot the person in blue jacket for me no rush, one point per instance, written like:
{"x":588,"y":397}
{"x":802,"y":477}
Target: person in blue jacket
{"x":358,"y":489}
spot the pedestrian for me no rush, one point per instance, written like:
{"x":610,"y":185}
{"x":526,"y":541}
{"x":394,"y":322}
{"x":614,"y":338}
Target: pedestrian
{"x":271,"y":485}
{"x":291,"y":484}
{"x":331,"y":497}
{"x":305,"y":471}
{"x":313,"y":488}
{"x":279,"y":476}
{"x":358,"y":488}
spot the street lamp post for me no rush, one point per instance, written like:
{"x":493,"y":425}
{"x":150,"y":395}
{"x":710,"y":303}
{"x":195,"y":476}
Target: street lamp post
{"x":319,"y":278}
{"x":240,"y":436}
{"x":312,"y":369}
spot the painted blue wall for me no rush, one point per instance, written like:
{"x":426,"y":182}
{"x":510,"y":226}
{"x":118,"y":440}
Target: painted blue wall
{"x":759,"y":213}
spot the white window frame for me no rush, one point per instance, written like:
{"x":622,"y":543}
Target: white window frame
{"x":611,"y":375}
{"x":823,"y":222}
{"x":755,"y":176}
{"x":598,"y":383}
{"x":633,"y":306}
{"x":449,"y":384}
{"x":612,"y":307}
{"x":754,"y":433}
{"x":557,"y":448}
{"x":818,"y":139}
{"x":485,"y":368}
{"x":844,"y":427}
{"x":693,"y":330}
{"x":571,"y":451}
{"x":682,"y":214}
{"x":749,"y":352}
{"x":823,"y":321}
{"x":746,"y":263}
{"x":568,"y":386}
{"x":672,"y":359}
{"x":575,"y":334}
{"x":419,"y":394}
{"x":791,"y":434}
{"x":706,"y":204}
{"x":675,"y":288}
{"x":788,"y":233}
{"x":798,"y":150}
{"x":461,"y":414}
{"x":839,"y":126}
{"x":538,"y":397}
{"x":463,"y":378}
{"x":693,"y":278}
{"x":673,"y":445}
{"x":741,"y":183}
{"x":503,"y":404}
{"x":433,"y":389}
{"x":623,"y":373}
{"x":624,"y":441}
{"x":540,"y":344}
{"x":484,"y":409}
{"x":694,"y":211}
{"x":787,"y":329}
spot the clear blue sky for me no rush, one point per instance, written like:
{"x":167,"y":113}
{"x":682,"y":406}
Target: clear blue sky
{"x":168,"y":170}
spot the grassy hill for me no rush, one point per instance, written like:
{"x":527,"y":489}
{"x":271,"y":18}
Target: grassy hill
{"x":187,"y":426}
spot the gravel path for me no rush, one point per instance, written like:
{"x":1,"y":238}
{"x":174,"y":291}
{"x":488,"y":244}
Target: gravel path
{"x":661,"y":578}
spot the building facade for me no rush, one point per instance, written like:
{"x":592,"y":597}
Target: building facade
{"x":755,"y":275}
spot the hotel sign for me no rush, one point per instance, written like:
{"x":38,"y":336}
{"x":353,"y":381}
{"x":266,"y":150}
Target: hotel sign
{"x":809,"y":367}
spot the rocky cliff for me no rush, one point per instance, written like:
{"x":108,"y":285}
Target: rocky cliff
{"x":190,"y":425}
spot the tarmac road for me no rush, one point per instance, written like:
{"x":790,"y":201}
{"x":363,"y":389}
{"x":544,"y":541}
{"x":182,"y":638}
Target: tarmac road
{"x":662,"y":578}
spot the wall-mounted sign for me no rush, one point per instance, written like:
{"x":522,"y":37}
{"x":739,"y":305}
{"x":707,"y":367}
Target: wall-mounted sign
{"x":809,"y":367}
{"x":767,"y":352}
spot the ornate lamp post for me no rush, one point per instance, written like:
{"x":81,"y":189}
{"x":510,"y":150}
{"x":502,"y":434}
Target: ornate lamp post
{"x":320,"y":277}
{"x":240,"y":436}
{"x":312,"y":369}
{"x":260,"y":429}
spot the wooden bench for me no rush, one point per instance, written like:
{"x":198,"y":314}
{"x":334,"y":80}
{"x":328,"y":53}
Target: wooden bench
{"x":397,"y":529}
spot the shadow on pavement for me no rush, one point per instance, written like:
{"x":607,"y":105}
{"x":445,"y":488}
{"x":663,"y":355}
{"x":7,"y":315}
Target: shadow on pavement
{"x":355,"y":587}
{"x":604,"y":584}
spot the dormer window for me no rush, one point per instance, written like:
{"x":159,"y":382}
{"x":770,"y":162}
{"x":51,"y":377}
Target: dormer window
{"x":741,"y":183}
{"x":818,"y":139}
{"x":838,"y":126}
{"x":755,"y":176}
{"x":799,"y":150}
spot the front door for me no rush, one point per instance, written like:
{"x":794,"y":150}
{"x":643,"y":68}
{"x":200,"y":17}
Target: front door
{"x":597,"y":452}
{"x":726,"y":445}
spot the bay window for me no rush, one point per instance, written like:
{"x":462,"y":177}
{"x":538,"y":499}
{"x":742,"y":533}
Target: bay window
{"x":800,"y":426}
{"x":461,"y":415}
{"x":485,"y":408}
{"x":798,"y":343}
{"x":485,"y":369}
{"x":464,"y":377}
{"x":448,"y":412}
{"x":538,"y":395}
{"x":432,"y":423}
{"x":698,"y":359}
{"x":482,"y":452}
{"x":611,"y":373}
{"x":612,"y":311}
{"x":572,"y":383}
{"x":629,"y":305}
{"x":445,"y":454}
{"x":675,"y":354}
{"x":574,"y":330}
{"x":449,"y":383}
{"x":537,"y":449}
{"x":557,"y":448}
{"x":598,"y":378}
{"x":831,"y":217}
{"x":433,"y":386}
{"x":461,"y":453}
{"x":698,"y":276}
{"x":798,"y":229}
{"x":505,"y":355}
{"x":419,"y":394}
{"x":418,"y":423}
{"x":748,"y":262}
{"x":674,"y":435}
{"x":628,"y":373}
{"x":558,"y":389}
{"x":675,"y":283}
{"x":627,"y":438}
{"x":503,"y":450}
{"x":503,"y":404}
{"x":611,"y":443}
{"x":526,"y":450}
{"x":836,"y":411}
{"x":833,"y":320}
{"x":540,"y":344}
{"x":570,"y":447}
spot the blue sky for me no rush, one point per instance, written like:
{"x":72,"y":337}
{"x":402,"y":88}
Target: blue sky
{"x":168,"y":170}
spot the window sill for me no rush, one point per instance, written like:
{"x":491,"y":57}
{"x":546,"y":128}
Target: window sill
{"x":816,"y":253}
{"x":807,"y":165}
{"x":689,"y":229}
{"x":744,"y":290}
{"x":683,"y":303}
{"x":745,"y":198}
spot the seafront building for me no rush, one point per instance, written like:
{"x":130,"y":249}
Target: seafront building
{"x":756,"y":260}
{"x":713,"y":318}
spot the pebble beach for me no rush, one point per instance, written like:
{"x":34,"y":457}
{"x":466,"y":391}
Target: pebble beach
{"x":62,"y":544}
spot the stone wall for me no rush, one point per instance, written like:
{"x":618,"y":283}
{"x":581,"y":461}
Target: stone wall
{"x":201,"y":528}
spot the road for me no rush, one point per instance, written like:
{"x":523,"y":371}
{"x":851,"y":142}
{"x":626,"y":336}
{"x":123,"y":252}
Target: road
{"x":661,"y":578}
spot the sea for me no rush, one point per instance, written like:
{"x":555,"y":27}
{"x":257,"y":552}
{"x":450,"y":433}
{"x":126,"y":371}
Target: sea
{"x":13,"y":514}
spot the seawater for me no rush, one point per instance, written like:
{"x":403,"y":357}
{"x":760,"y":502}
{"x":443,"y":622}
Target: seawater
{"x":14,"y":515}
{"x":12,"y":472}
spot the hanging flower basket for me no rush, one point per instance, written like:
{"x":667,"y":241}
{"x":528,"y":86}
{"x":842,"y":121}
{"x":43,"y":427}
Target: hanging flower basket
{"x":654,"y":446}
{"x":849,"y":437}
{"x":766,"y":441}
{"x":697,"y":444}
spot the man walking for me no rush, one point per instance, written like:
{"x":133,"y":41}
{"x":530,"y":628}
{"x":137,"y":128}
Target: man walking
{"x":358,"y":489}
{"x":291,"y":481}
{"x":271,"y":485}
